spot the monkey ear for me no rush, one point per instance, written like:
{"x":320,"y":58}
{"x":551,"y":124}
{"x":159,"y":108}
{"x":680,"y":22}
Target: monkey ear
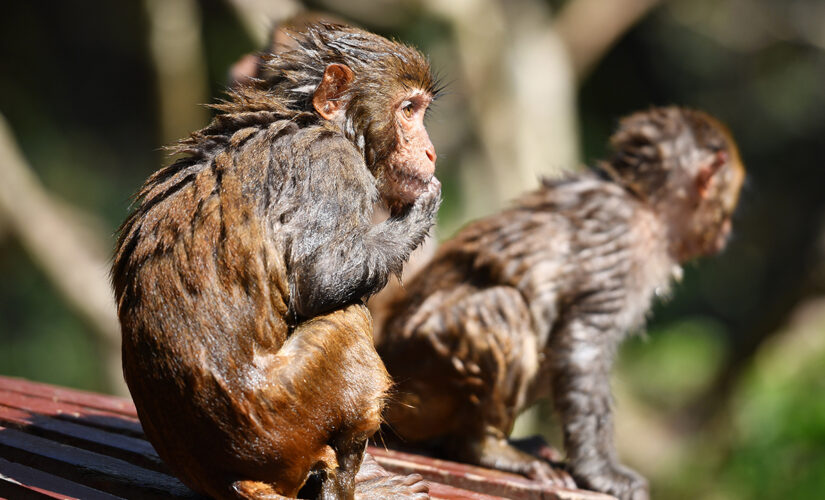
{"x":706,"y":172}
{"x":335,"y":83}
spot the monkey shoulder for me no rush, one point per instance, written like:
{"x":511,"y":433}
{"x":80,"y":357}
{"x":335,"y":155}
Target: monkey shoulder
{"x":339,"y":162}
{"x":320,"y":160}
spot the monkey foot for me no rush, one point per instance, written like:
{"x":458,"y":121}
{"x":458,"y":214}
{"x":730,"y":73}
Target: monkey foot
{"x":535,"y":460}
{"x":370,"y":469}
{"x":374,"y":482}
{"x":255,"y":490}
{"x":617,"y":480}
{"x":412,"y":487}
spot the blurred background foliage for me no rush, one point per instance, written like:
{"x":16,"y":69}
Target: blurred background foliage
{"x":722,"y":398}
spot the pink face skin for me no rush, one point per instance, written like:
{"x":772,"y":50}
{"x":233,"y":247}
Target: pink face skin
{"x":412,"y":164}
{"x":409,"y":168}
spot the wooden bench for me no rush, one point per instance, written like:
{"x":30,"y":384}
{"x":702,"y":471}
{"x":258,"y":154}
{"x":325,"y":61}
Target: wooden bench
{"x":64,"y":443}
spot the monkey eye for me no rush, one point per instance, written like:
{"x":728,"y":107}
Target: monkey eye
{"x":408,"y":108}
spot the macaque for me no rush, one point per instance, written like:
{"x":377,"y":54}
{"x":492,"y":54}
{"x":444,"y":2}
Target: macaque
{"x":534,"y":301}
{"x":241,"y":275}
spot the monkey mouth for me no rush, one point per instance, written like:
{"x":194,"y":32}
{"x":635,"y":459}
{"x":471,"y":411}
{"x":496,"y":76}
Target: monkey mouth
{"x":405,"y":186}
{"x":412,"y":182}
{"x":417,"y":180}
{"x":724,"y":235}
{"x":716,"y":240}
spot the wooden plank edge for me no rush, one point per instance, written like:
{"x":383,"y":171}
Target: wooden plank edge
{"x":102,"y":419}
{"x":479,"y":479}
{"x":123,"y":406}
{"x":134,"y":450}
{"x":92,"y":469}
{"x":47,"y":484}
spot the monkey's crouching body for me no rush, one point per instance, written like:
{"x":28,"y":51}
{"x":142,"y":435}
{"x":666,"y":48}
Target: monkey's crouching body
{"x":241,"y":274}
{"x":217,"y":371}
{"x":535,"y":301}
{"x":256,"y":434}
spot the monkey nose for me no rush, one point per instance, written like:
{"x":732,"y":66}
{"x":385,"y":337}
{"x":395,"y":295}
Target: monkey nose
{"x":430,"y":152}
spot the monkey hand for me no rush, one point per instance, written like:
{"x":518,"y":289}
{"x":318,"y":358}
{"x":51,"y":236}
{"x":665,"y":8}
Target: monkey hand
{"x":617,"y":480}
{"x":415,"y":221}
{"x":426,"y":205}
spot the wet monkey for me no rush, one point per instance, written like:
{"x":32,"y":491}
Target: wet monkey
{"x":241,"y":273}
{"x":535,"y":300}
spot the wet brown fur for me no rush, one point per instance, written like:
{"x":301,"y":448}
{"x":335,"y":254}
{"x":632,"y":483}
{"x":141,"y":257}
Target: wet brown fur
{"x":535,"y":300}
{"x":241,"y":272}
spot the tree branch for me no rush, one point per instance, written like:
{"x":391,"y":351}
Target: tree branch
{"x":65,"y":251}
{"x":177,"y":52}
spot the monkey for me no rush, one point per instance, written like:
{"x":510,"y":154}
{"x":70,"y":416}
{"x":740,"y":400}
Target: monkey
{"x":240,"y":275}
{"x":534,"y":301}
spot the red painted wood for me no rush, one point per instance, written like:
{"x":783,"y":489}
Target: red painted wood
{"x":72,"y":412}
{"x":77,"y":397}
{"x":474,"y":478}
{"x":91,"y":469}
{"x":446,"y":492}
{"x":64,"y":443}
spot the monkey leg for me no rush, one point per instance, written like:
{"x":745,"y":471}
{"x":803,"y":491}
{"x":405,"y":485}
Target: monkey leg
{"x":340,"y":382}
{"x":345,"y":401}
{"x":298,"y":421}
{"x":483,"y":354}
{"x":582,"y":364}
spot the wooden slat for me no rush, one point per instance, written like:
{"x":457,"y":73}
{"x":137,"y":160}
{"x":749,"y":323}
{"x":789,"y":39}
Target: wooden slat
{"x":89,"y":468}
{"x":440,"y":491}
{"x":67,"y":411}
{"x":134,"y":450}
{"x":474,"y":478}
{"x":19,"y":481}
{"x":77,"y":397}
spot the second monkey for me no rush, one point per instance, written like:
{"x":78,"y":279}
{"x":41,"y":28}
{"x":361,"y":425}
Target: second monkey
{"x":534,"y":301}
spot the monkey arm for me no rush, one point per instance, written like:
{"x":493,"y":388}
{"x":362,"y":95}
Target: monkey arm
{"x":352,"y":266}
{"x":347,"y":257}
{"x":582,"y":354}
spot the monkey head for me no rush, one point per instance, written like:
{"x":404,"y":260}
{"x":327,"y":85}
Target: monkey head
{"x":374,"y":91}
{"x":686,"y":165}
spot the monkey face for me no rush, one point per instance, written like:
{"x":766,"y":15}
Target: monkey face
{"x":410,"y":165}
{"x":718,"y":204}
{"x":379,"y":104}
{"x":718,"y":184}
